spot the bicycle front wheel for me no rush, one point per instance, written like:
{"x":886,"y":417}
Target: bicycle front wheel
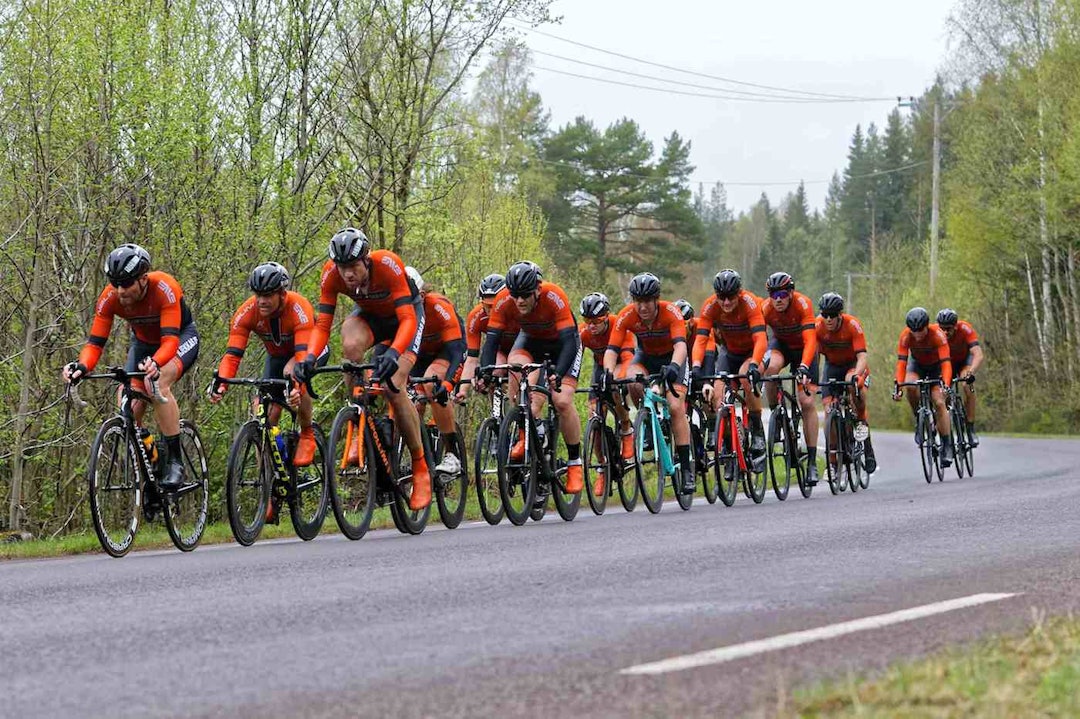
{"x":726,"y":461}
{"x":247,"y":484}
{"x":310,"y":495}
{"x":518,"y":475}
{"x":351,"y":467}
{"x":651,"y":471}
{"x":406,"y":519}
{"x":186,"y":507}
{"x":928,"y":451}
{"x":486,"y":471}
{"x":598,"y":465}
{"x":834,"y":453}
{"x":113,"y":478}
{"x":699,"y":448}
{"x":754,"y":481}
{"x":451,"y":492}
{"x":778,"y":458}
{"x":960,"y":445}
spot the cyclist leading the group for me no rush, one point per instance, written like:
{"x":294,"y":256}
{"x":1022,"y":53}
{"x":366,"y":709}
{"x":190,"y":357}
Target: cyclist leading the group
{"x":842,"y":342}
{"x":734,"y":315}
{"x":547,"y":332}
{"x":388,"y":318}
{"x":164,"y":339}
{"x":966,"y":355}
{"x":790,"y":314}
{"x":442,"y":350}
{"x":283,"y":320}
{"x":923,"y":353}
{"x":661,"y":336}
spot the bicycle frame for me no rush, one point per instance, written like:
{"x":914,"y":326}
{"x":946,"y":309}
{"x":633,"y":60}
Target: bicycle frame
{"x":525,"y":389}
{"x":266,"y":400}
{"x":660,"y":411}
{"x":728,"y":420}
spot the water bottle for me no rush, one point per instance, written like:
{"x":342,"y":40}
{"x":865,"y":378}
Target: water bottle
{"x":147,"y":438}
{"x":279,"y":439}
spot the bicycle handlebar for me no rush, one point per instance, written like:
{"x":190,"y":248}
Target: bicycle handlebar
{"x":347,"y":367}
{"x":732,"y":378}
{"x":787,"y":378}
{"x":120,"y":376}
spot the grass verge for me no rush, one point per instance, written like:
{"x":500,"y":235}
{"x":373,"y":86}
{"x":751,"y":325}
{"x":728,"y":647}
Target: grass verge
{"x":1037,"y":674}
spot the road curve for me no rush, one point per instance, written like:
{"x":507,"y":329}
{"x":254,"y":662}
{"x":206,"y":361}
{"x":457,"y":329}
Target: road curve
{"x":541,"y":619}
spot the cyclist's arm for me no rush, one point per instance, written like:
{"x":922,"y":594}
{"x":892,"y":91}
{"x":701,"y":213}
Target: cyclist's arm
{"x":305,"y":325}
{"x":677,"y":329}
{"x":491,"y":346}
{"x":704,"y":330}
{"x":946,"y":362}
{"x":453,"y":348}
{"x":858,"y":343}
{"x":99,"y":330}
{"x":239,"y":333}
{"x":976,"y":358}
{"x":809,"y":333}
{"x":170,"y":328}
{"x":901,"y":360}
{"x":407,"y":324}
{"x":328,"y":297}
{"x":616,"y":340}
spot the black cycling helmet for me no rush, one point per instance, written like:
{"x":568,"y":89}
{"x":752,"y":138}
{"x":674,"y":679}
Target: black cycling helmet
{"x":779,"y":281}
{"x":595,"y":305}
{"x":686,"y":309}
{"x":127,"y":263}
{"x":644,"y":286}
{"x":269,"y":277}
{"x":523,"y":278}
{"x":947,"y":317}
{"x":726,"y":283}
{"x":917,"y":319}
{"x":831,"y":304}
{"x":349,"y":245}
{"x":490,"y":285}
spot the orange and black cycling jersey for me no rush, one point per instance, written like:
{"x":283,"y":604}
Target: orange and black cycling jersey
{"x":285,"y":334}
{"x":550,"y":316}
{"x":657,"y":338}
{"x":388,"y":297}
{"x":596,"y":337}
{"x":841,"y":347}
{"x":933,"y":349}
{"x":442,"y":332}
{"x":794,"y":327}
{"x":742,"y":330}
{"x":961,"y":342}
{"x":156,"y":319}
{"x":476,"y":325}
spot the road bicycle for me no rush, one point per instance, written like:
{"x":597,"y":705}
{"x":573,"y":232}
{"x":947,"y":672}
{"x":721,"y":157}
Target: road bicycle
{"x":965,"y":459}
{"x":732,"y":439}
{"x":261,"y":472}
{"x":125,"y":470}
{"x":926,"y":434}
{"x":526,"y":483}
{"x":602,"y":450}
{"x":654,"y":446}
{"x":380,"y":472}
{"x":449,"y":490}
{"x":784,"y":455}
{"x":845,"y":440}
{"x":703,"y":444}
{"x":486,"y":454}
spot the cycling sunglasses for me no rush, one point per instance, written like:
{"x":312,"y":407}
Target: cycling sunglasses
{"x":830,"y":316}
{"x":780,"y":294}
{"x":124,"y":284}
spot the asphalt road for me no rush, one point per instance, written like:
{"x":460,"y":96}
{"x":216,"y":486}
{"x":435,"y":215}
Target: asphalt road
{"x":540,"y":620}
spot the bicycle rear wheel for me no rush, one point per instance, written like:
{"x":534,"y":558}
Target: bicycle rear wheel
{"x":928,"y":452}
{"x":598,"y":465}
{"x":650,"y":470}
{"x":247,"y":484}
{"x":186,"y":507}
{"x":518,"y":478}
{"x":834,"y":452}
{"x":352,"y":479}
{"x":725,"y":461}
{"x":626,"y":473}
{"x":486,"y":471}
{"x":406,"y":519}
{"x":699,"y":450}
{"x":778,"y":458}
{"x":566,"y":503}
{"x":115,"y":495}
{"x":960,"y":445}
{"x":753,"y":482}
{"x":451,"y":493}
{"x":309,"y":497}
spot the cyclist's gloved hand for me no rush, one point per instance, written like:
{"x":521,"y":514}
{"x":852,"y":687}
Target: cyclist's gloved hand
{"x":387,"y":364}
{"x":671,"y":373}
{"x":802,"y":374}
{"x":216,"y":390}
{"x":302,"y":371}
{"x":75,"y":371}
{"x":695,"y":375}
{"x":607,"y":381}
{"x":754,"y":373}
{"x":442,"y":392}
{"x":555,"y":382}
{"x":896,"y":394}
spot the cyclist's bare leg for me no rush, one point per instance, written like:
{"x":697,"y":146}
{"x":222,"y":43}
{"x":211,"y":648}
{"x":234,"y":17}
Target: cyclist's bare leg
{"x":857,"y":400}
{"x":637,"y":390}
{"x":680,"y":426}
{"x":569,"y":421}
{"x":776,"y":362}
{"x":912,"y":392}
{"x":536,"y":399}
{"x":969,"y":402}
{"x":941,"y":412}
{"x":167,"y":414}
{"x":304,"y":410}
{"x":753,"y":403}
{"x":809,"y":413}
{"x":443,"y":414}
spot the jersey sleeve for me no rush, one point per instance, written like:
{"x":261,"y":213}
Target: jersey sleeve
{"x":901,"y":356}
{"x":704,"y":329}
{"x":944,"y":356}
{"x":564,"y":316}
{"x":618,"y":337}
{"x":239,"y":333}
{"x":473,"y":335}
{"x":676,"y":325}
{"x":304,"y":317}
{"x":756,"y":320}
{"x":858,"y":336}
{"x":104,"y":311}
{"x":329,"y":287}
{"x":809,"y":333}
{"x":170,"y":321}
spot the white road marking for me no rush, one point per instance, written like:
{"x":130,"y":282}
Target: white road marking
{"x":794,"y":639}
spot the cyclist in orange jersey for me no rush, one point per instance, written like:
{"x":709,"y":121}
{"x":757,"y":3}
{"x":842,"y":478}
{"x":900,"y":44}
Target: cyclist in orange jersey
{"x":476,"y":324}
{"x":735,"y":315}
{"x":790,"y":315}
{"x":442,"y":351}
{"x":842,"y":342}
{"x":661,"y":337}
{"x":283,"y":320}
{"x":923,"y":353}
{"x":547,"y":332}
{"x":164,"y":339}
{"x":966,"y":355}
{"x":389,"y":320}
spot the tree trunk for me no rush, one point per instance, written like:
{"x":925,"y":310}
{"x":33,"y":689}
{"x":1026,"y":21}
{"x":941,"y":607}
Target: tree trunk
{"x":1043,"y":350}
{"x":18,"y":462}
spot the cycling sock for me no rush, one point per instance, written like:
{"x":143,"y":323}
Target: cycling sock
{"x":173,"y":444}
{"x":682,"y":451}
{"x":573,"y":451}
{"x":811,"y":454}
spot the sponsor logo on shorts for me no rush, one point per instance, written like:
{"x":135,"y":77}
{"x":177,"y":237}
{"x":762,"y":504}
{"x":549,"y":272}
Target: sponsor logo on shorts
{"x":419,"y":336}
{"x":189,"y":344}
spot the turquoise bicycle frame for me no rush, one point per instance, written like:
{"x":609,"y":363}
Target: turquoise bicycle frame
{"x":657,"y":405}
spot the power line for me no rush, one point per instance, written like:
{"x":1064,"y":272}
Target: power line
{"x":700,"y":74}
{"x":799,"y":101}
{"x":750,"y":96}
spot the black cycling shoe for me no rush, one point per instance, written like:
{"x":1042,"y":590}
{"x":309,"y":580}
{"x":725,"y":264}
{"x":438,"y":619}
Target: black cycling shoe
{"x":689,"y":483}
{"x":946,"y":454}
{"x":174,"y":476}
{"x":811,"y":475}
{"x":973,"y":437}
{"x":868,"y":457}
{"x":757,"y":452}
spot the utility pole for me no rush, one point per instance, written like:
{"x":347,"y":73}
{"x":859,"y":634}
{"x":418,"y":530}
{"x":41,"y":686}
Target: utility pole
{"x":935,"y":206}
{"x":861,"y":276}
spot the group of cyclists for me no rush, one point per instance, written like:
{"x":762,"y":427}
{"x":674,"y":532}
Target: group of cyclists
{"x":521,"y":318}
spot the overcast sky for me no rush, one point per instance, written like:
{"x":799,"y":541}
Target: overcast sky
{"x":849,"y":47}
